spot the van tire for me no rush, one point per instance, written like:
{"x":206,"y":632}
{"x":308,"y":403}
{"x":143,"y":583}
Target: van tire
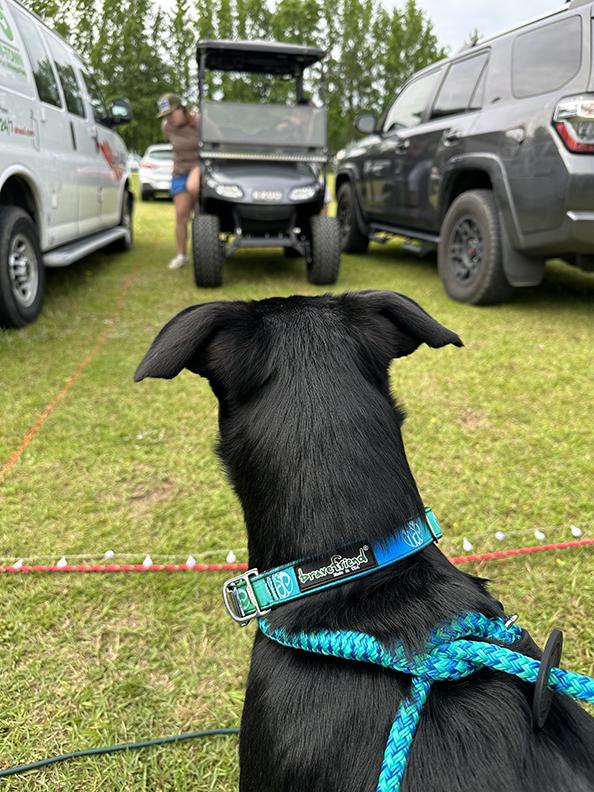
{"x":22,"y":292}
{"x":469,"y":255}
{"x":351,"y":239}
{"x":146,"y":195}
{"x":126,"y":219}
{"x":324,"y":258}
{"x":207,"y":251}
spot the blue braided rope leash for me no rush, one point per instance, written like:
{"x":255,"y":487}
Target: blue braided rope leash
{"x":449,"y":655}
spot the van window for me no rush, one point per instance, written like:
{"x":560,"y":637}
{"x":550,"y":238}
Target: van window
{"x":13,"y":71}
{"x":95,"y":97}
{"x":459,"y":86}
{"x":45,"y":79}
{"x":547,"y":58}
{"x":67,"y":77}
{"x":409,"y":107}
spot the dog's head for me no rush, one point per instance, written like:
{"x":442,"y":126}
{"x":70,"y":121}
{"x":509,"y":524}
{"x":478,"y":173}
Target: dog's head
{"x":303,"y":389}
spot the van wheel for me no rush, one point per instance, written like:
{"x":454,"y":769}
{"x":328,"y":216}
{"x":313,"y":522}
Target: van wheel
{"x":469,"y":253}
{"x":351,"y":239}
{"x":324,"y":259}
{"x":126,"y":242}
{"x":22,"y":274}
{"x":146,"y":195}
{"x":207,"y":251}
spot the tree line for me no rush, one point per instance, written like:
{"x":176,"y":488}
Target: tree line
{"x":138,"y":50}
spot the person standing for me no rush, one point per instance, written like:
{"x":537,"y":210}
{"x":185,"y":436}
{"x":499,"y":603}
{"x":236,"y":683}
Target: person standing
{"x":180,"y":127}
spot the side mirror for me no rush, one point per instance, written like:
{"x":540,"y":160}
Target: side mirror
{"x":366,"y":123}
{"x":120,"y":112}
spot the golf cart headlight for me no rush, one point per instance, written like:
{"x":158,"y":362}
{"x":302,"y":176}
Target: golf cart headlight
{"x":228,"y":190}
{"x":303,"y":193}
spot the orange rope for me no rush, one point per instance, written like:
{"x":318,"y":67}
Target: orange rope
{"x":68,"y":385}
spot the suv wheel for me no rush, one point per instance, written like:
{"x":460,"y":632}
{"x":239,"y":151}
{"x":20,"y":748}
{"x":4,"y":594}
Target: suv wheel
{"x":324,"y":260}
{"x":22,"y":274}
{"x":351,"y":239}
{"x":207,"y":251}
{"x":469,"y":253}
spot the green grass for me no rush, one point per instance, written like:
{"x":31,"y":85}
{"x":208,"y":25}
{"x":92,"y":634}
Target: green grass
{"x":498,"y":436}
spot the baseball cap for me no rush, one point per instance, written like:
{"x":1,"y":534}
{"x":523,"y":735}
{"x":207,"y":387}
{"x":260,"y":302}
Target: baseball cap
{"x":167,"y":104}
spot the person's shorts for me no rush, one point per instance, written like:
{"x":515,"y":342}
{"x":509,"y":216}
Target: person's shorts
{"x":178,"y":184}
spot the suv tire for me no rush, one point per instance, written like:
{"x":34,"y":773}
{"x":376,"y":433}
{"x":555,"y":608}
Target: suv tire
{"x":469,"y":253}
{"x":324,"y":259}
{"x":126,"y":215}
{"x":22,"y":274}
{"x":207,"y":251}
{"x":351,"y":239}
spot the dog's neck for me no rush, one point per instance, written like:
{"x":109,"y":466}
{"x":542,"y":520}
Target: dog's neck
{"x":313,"y":493}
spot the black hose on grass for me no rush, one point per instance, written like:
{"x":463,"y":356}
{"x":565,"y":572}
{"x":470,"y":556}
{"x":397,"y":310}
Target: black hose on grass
{"x":107,"y":749}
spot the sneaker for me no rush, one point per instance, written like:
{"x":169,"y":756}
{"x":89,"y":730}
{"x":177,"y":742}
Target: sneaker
{"x":177,"y":262}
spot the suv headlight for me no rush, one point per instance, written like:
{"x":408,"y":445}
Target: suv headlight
{"x":303,"y":193}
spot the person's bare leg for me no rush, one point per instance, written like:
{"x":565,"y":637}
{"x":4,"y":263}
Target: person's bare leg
{"x":183,"y":206}
{"x":193,"y":183}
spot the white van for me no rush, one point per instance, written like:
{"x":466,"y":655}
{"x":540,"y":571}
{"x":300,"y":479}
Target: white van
{"x":64,"y":180}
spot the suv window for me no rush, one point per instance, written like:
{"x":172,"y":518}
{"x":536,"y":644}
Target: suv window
{"x":95,"y":97}
{"x":45,"y":79}
{"x":67,"y":77}
{"x":545,"y":59}
{"x":459,"y":86}
{"x":409,"y":107}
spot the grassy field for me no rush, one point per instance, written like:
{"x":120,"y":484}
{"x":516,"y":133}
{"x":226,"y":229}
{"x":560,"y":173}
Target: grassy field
{"x":498,"y":434}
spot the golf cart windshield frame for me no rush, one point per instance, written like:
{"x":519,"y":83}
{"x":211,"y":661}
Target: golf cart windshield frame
{"x":240,"y":130}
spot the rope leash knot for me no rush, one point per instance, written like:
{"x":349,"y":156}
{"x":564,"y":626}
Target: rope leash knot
{"x":450,"y":655}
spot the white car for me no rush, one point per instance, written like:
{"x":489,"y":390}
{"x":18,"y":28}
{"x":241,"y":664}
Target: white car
{"x":155,"y":170}
{"x":64,"y":181}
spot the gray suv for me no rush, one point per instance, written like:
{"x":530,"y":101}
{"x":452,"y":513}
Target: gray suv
{"x":488,"y":155}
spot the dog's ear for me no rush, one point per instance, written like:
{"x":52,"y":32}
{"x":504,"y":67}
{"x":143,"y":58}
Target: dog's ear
{"x":185,"y":340}
{"x":407,"y":327}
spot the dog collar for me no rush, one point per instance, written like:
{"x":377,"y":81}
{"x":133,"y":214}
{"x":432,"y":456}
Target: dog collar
{"x":254,"y":594}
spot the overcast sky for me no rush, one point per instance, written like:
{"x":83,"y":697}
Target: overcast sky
{"x":454,"y":20}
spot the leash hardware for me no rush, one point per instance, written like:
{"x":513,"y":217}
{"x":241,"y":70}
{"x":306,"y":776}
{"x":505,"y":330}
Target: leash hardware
{"x":232,"y":599}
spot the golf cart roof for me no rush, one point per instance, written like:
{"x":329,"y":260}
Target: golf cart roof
{"x":268,"y":57}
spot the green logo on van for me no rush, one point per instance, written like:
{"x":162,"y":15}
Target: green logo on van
{"x":5,"y":27}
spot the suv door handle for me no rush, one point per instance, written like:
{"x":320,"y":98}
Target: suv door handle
{"x":451,"y":136}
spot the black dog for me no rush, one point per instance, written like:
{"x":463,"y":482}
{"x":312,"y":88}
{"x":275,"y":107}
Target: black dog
{"x":311,"y":440}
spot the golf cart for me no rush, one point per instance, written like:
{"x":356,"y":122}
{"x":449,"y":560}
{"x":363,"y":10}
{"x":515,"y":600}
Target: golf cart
{"x":263,"y":165}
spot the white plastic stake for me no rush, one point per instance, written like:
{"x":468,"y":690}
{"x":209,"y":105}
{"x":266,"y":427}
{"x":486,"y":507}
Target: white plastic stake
{"x":576,"y":531}
{"x":108,"y":554}
{"x":62,"y":562}
{"x":148,"y":561}
{"x":467,"y":545}
{"x":500,"y":535}
{"x":191,"y":561}
{"x":231,"y":557}
{"x":540,"y":534}
{"x":18,"y":564}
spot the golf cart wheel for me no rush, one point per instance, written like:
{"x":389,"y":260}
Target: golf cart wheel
{"x":22,"y":274}
{"x":469,"y":254}
{"x":126,"y":242}
{"x":207,"y":251}
{"x":351,"y":239}
{"x":324,"y":261}
{"x":291,"y":253}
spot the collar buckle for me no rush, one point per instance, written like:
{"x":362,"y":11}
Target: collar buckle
{"x":235,"y":591}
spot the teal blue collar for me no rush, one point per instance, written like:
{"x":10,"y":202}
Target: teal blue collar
{"x":254,"y":594}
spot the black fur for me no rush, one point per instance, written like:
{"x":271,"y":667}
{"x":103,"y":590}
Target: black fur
{"x":311,"y":440}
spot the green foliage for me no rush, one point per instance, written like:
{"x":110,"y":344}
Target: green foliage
{"x":139,"y":51}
